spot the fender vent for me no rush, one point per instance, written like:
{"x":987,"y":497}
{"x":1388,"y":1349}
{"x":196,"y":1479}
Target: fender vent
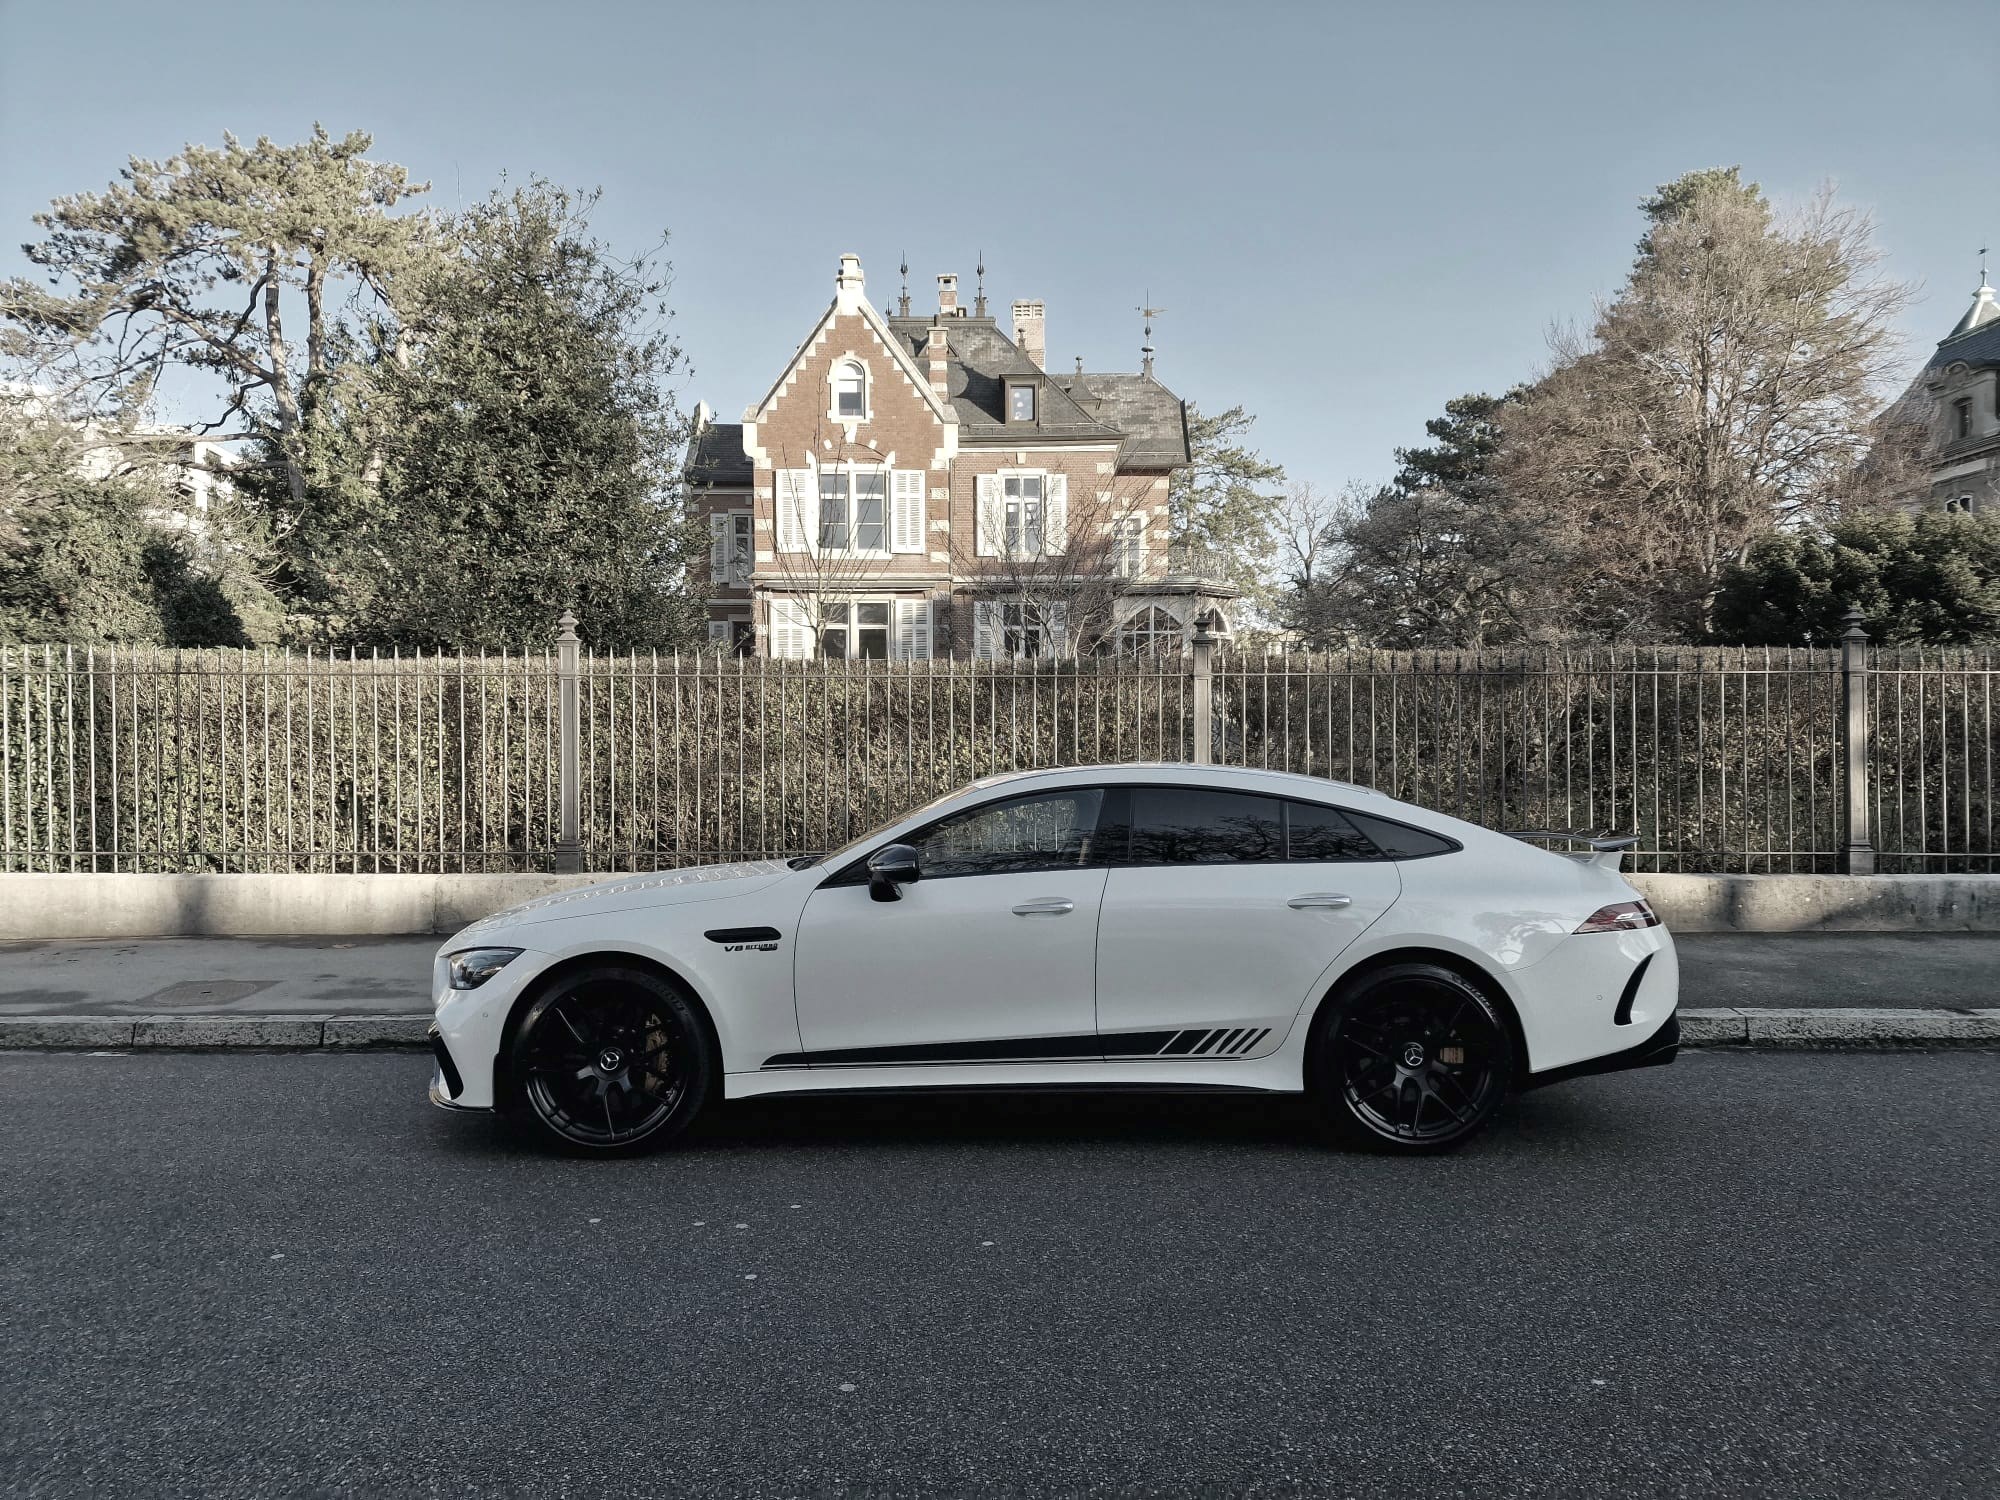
{"x":1217,"y":1042}
{"x":1623,"y":1015}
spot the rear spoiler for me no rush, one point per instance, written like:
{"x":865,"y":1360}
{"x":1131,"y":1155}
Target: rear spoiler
{"x":1606,"y":848}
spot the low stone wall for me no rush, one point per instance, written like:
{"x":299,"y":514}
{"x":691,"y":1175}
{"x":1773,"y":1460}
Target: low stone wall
{"x":140,"y":906}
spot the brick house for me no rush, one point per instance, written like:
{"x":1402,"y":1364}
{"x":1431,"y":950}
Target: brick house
{"x":923,"y":486}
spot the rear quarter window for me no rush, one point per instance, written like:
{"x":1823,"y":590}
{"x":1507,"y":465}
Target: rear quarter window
{"x":1400,"y":841}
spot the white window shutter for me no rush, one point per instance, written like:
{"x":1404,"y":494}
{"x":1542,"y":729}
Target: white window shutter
{"x":985,"y":630}
{"x":912,"y":640}
{"x":718,"y":549}
{"x":990,"y":523}
{"x":1055,"y":628}
{"x":1055,"y":514}
{"x":906,"y":510}
{"x":791,"y":632}
{"x":798,"y":511}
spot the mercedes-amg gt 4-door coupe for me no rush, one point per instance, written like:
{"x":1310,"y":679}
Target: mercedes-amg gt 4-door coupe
{"x":1166,"y":927}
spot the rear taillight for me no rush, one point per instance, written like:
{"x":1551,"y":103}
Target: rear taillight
{"x":1620,"y":916}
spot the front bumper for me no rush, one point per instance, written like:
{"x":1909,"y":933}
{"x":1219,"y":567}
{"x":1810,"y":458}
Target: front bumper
{"x":443,"y":1100}
{"x":446,"y":1083}
{"x":1656,"y":1051}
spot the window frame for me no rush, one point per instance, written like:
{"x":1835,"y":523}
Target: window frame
{"x":846,"y":477}
{"x":842,"y":368}
{"x":1118,"y":809}
{"x":1018,"y":508}
{"x":855,"y":872}
{"x":1016,"y":388}
{"x":851,"y":628}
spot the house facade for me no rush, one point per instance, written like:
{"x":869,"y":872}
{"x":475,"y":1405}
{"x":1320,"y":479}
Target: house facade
{"x":913,"y":486}
{"x":1962,"y":384}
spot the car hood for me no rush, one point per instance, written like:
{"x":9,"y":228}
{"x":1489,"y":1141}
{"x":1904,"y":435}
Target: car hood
{"x":633,"y":892}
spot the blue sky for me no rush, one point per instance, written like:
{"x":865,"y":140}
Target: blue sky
{"x":1350,"y":212}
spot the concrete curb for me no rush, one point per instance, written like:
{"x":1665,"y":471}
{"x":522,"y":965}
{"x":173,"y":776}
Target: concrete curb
{"x":294,"y":1033}
{"x":1734,"y":1027}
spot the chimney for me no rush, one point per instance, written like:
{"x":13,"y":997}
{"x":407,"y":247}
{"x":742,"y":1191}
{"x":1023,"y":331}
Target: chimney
{"x":947,"y":296}
{"x":1030,"y":334}
{"x":848,"y":283}
{"x":935,"y":348}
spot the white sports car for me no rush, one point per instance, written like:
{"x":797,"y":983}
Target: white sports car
{"x":1164,"y":927}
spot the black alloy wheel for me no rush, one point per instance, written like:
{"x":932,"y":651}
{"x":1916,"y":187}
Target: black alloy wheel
{"x":610,"y":1060}
{"x":1415,"y":1059}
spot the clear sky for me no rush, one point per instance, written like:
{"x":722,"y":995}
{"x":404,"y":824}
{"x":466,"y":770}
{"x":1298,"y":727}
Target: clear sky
{"x":1351,"y":212}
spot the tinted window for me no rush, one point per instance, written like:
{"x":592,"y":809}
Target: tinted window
{"x":1184,"y":825}
{"x":1049,"y":832}
{"x":1399,"y":841}
{"x":1324,"y":835}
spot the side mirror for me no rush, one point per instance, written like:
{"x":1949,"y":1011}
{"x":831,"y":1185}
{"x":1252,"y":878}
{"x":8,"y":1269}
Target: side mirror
{"x":889,"y":867}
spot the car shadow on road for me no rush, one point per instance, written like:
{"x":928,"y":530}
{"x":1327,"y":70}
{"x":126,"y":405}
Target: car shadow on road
{"x":1057,"y":1119}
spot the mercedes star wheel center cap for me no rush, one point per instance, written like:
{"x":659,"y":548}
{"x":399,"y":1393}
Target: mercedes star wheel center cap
{"x":1413,"y":1054}
{"x":610,"y":1060}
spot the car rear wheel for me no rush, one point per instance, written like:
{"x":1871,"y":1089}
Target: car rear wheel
{"x":1414,"y":1058}
{"x":610,"y":1059}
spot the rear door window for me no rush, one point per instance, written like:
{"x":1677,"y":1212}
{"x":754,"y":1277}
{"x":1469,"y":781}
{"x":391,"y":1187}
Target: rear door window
{"x":1188,"y":825}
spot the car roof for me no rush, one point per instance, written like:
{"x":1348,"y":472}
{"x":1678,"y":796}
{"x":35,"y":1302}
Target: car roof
{"x":1183,"y":772}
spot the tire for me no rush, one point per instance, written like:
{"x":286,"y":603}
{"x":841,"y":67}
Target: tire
{"x":1413,"y":1059}
{"x":608,"y":1061}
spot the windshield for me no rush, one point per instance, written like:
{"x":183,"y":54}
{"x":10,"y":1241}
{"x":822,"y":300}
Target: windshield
{"x":807,"y":861}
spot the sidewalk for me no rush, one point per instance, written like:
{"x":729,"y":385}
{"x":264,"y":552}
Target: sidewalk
{"x":391,"y":976}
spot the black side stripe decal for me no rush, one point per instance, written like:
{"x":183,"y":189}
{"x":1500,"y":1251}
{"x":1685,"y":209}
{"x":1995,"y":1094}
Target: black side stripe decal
{"x":1111,"y":1046}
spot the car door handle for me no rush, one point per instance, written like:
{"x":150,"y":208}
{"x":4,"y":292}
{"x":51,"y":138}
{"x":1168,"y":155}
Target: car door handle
{"x":1047,"y":906}
{"x":1323,"y":900}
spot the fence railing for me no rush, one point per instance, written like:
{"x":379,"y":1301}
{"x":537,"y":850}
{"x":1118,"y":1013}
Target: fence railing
{"x":1721,"y":759}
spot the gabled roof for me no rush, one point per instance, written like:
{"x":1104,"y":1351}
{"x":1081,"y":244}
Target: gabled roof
{"x":716,"y":458}
{"x":1152,"y":418}
{"x":850,"y":300}
{"x":980,"y":360}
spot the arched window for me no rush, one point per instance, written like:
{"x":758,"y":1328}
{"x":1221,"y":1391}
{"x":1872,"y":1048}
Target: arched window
{"x":850,"y":390}
{"x":1150,"y":632}
{"x":1962,"y":504}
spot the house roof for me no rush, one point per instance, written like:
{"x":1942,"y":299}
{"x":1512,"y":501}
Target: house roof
{"x":717,"y":459}
{"x":1152,"y":418}
{"x":979,"y":361}
{"x":1977,"y":346}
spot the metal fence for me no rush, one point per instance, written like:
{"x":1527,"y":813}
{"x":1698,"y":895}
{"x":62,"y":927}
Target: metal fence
{"x":1733,"y":759}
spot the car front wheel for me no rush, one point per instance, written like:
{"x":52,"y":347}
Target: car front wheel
{"x":610,"y":1059}
{"x":1414,"y":1058}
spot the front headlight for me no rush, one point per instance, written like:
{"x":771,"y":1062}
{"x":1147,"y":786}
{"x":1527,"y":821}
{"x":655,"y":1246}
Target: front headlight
{"x":473,"y":967}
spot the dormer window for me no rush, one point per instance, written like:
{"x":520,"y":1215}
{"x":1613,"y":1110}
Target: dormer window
{"x":850,"y":391}
{"x":1021,"y":401}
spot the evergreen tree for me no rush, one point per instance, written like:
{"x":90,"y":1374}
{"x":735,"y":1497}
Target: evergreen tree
{"x":524,"y":449}
{"x":1928,"y":579}
{"x":1223,"y":508}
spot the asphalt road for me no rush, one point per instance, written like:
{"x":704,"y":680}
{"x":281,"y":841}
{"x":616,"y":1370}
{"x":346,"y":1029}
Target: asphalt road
{"x":384,"y":976}
{"x":283,"y":1274}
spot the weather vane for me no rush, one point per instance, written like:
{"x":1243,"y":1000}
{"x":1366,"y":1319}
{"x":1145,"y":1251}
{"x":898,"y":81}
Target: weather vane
{"x":1149,"y":313}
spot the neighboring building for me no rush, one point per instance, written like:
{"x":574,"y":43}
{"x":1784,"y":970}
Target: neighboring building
{"x":1962,"y":385}
{"x":191,"y":468}
{"x":919,"y":486}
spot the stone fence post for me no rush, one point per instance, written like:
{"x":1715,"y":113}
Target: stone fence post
{"x":1857,"y":848}
{"x":569,"y":848}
